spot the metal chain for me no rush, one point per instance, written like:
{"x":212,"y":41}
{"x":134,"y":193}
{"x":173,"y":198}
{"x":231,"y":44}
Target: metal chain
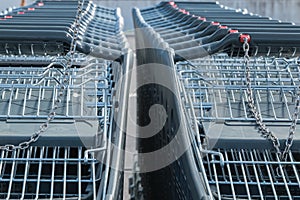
{"x":292,"y":130}
{"x":61,"y":88}
{"x":265,"y":132}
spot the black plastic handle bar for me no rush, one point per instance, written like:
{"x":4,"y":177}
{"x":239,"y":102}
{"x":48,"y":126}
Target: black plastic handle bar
{"x":208,"y":49}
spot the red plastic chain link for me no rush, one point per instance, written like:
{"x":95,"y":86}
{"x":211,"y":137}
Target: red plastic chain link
{"x":8,"y":17}
{"x":40,"y":4}
{"x":184,"y":11}
{"x":31,"y":9}
{"x":233,"y":31}
{"x":215,"y":23}
{"x":244,"y":37}
{"x":21,"y":13}
{"x":173,"y":4}
{"x":223,"y":27}
{"x":202,"y":18}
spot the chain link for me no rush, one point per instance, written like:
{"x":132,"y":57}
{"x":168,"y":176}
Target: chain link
{"x":289,"y":140}
{"x":61,"y":88}
{"x":265,"y":132}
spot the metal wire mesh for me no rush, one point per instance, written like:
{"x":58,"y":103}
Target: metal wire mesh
{"x":48,"y":173}
{"x":54,"y":172}
{"x":217,"y":87}
{"x":30,"y":92}
{"x":215,"y":90}
{"x":68,"y":86}
{"x":253,"y":174}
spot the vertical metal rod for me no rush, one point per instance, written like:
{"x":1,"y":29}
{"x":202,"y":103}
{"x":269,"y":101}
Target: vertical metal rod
{"x":246,"y":157}
{"x":295,"y":169}
{"x":243,"y":97}
{"x":244,"y":176}
{"x":1,"y":163}
{"x":65,"y":173}
{"x":107,"y":142}
{"x":272,"y":104}
{"x":39,"y":173}
{"x":79,"y":171}
{"x":284,"y":178}
{"x":54,"y":92}
{"x":286,"y":104}
{"x":68,"y":99}
{"x":27,"y":166}
{"x":235,"y":166}
{"x":81,"y":102}
{"x":31,"y":83}
{"x":230,"y":176}
{"x":273,"y":168}
{"x":229,"y":107}
{"x":270,"y":177}
{"x":209,"y":167}
{"x":12,"y":174}
{"x":24,"y":101}
{"x":53,"y":173}
{"x":94,"y":176}
{"x":39,"y":101}
{"x":216,"y":179}
{"x":16,"y":93}
{"x":10,"y":101}
{"x":256,"y":176}
{"x":215,"y":104}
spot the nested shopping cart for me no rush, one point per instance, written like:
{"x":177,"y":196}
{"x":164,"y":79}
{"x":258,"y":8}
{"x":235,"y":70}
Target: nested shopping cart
{"x":237,"y":74}
{"x":60,"y":64}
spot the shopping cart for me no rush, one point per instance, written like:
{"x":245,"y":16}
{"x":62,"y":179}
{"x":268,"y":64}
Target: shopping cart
{"x":47,"y":29}
{"x":219,"y":98}
{"x":238,"y":76}
{"x":58,"y":117}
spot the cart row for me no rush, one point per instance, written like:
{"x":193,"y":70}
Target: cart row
{"x":237,"y":75}
{"x":60,"y":65}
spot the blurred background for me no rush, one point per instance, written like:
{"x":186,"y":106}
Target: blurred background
{"x":285,"y":10}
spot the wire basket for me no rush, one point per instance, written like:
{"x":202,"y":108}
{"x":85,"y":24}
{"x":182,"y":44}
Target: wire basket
{"x":217,"y":87}
{"x":253,"y":174}
{"x":48,"y":173}
{"x":215,"y":92}
{"x":30,"y":92}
